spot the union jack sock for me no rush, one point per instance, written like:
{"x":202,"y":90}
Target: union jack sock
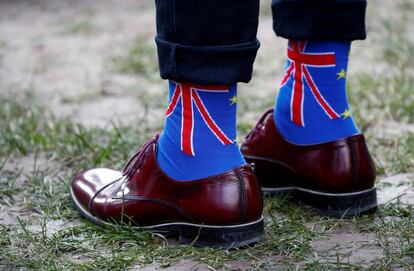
{"x":199,"y":137}
{"x":312,"y":105}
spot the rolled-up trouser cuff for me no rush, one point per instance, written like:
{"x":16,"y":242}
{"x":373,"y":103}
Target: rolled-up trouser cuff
{"x":208,"y":65}
{"x":319,"y":19}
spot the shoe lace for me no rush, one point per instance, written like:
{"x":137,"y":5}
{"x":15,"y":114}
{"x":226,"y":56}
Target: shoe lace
{"x":260,"y":123}
{"x":136,"y":161}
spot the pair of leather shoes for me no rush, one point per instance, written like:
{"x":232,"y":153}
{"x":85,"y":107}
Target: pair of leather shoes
{"x":225,"y":211}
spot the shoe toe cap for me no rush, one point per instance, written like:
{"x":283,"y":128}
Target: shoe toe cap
{"x":86,"y":184}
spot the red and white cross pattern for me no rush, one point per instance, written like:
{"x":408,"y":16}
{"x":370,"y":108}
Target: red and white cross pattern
{"x":189,"y":96}
{"x":299,"y":61}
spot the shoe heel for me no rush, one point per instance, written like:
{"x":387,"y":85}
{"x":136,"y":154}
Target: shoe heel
{"x":268,"y":171}
{"x":226,"y":237}
{"x":340,"y":205}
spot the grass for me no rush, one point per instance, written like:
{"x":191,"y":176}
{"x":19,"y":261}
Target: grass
{"x":44,"y":232}
{"x":8,"y":184}
{"x":139,"y":59}
{"x":27,"y":128}
{"x":82,"y":27}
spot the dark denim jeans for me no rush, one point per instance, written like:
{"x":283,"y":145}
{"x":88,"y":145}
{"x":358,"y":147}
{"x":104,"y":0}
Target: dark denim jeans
{"x":214,"y":41}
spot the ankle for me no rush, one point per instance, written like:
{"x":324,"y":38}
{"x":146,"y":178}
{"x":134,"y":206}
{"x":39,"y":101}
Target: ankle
{"x":200,"y":131}
{"x":312,"y":105}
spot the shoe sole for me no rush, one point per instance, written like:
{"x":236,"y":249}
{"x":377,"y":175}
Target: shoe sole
{"x":330,"y":204}
{"x":224,"y":237}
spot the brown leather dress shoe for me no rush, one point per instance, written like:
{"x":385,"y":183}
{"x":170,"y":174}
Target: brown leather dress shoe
{"x":336,"y":177}
{"x":220,"y":211}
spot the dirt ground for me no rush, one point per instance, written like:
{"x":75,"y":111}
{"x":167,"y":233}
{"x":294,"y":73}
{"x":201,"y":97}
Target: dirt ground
{"x":66,"y":53}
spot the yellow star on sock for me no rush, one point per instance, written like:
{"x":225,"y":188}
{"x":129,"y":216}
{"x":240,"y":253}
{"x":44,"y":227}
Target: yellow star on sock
{"x":341,"y":74}
{"x":346,"y":114}
{"x":233,"y":100}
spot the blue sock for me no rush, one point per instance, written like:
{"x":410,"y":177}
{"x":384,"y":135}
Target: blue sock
{"x":312,"y":105}
{"x":203,"y":142}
